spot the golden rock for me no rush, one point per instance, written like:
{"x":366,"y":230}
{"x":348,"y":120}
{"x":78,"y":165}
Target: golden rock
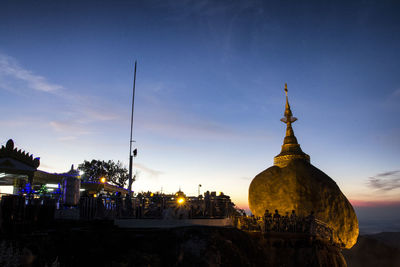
{"x":293,"y":183}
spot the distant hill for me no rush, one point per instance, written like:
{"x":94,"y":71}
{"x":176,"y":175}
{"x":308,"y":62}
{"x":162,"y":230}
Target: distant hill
{"x":381,"y":249}
{"x":389,"y":238}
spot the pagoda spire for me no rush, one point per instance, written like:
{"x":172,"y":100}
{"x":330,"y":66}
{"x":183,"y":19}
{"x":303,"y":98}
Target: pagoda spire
{"x":290,"y":148}
{"x":288,"y":119}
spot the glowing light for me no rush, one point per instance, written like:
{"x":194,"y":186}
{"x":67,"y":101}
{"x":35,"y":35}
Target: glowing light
{"x":6,"y":189}
{"x":102,"y":180}
{"x":94,"y":195}
{"x":180,"y":200}
{"x":151,"y":194}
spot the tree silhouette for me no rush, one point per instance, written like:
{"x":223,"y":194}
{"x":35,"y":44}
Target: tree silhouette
{"x":115,"y":173}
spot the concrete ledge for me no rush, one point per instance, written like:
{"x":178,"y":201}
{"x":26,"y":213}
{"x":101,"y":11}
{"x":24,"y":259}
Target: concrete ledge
{"x":157,"y":223}
{"x":67,"y":214}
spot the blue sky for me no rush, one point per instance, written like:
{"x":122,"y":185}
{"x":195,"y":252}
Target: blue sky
{"x":209,"y":89}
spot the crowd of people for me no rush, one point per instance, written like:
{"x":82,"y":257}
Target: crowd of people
{"x":288,"y":223}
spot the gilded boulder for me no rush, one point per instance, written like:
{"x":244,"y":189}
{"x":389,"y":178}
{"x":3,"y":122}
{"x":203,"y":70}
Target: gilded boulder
{"x":304,"y":188}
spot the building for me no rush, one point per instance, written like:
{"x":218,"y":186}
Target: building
{"x":19,"y":174}
{"x":19,"y":170}
{"x":179,"y":205}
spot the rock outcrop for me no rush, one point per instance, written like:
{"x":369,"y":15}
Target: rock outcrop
{"x":304,"y":188}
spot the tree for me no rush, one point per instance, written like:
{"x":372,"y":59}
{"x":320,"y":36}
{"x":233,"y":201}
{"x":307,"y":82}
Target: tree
{"x":115,"y":173}
{"x":43,"y":190}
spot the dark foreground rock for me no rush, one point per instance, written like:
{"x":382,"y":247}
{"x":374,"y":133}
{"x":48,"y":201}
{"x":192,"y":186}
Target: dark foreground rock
{"x":375,"y":250}
{"x":104,"y":245}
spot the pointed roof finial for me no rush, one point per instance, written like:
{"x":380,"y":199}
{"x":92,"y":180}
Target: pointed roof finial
{"x":288,"y":119}
{"x":290,"y":148}
{"x":286,"y":89}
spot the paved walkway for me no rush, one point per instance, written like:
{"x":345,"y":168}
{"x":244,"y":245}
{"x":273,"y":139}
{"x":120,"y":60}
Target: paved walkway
{"x":159,"y":223}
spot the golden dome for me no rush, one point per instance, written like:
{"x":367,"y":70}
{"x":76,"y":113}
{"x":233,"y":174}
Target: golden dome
{"x":293,"y":183}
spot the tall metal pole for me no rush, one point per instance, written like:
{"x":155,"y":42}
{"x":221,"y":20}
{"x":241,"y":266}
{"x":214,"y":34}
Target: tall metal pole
{"x":131,"y":141}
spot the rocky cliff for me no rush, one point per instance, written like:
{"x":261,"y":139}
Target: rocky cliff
{"x":187,"y":246}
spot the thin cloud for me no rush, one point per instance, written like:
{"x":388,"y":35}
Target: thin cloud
{"x":385,"y":174}
{"x":203,"y":8}
{"x":20,"y":122}
{"x":67,"y":127}
{"x":79,"y":112}
{"x":67,"y":138}
{"x":175,"y":122}
{"x":183,"y":129}
{"x":11,"y":70}
{"x":385,"y":181}
{"x":396,"y":93}
{"x":99,"y":115}
{"x":150,"y":171}
{"x":73,"y":129}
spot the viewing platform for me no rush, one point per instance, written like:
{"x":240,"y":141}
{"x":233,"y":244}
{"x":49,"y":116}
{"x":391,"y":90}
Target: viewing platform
{"x":160,"y":223}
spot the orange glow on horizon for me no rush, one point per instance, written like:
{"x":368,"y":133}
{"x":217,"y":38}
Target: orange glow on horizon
{"x":382,"y":203}
{"x":354,"y":202}
{"x":241,"y":205}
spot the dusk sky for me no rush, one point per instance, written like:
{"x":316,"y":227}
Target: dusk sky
{"x":209,"y":91}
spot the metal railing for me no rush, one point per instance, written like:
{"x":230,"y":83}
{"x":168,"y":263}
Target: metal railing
{"x":21,"y":211}
{"x":296,"y":225}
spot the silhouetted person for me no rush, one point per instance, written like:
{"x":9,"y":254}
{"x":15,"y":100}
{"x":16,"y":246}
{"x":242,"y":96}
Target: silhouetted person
{"x":293,"y":221}
{"x":310,"y":221}
{"x":285,"y":222}
{"x":293,"y":215}
{"x":277,"y":218}
{"x":267,"y":214}
{"x":267,"y":220}
{"x":118,"y":203}
{"x":311,"y":217}
{"x":276,"y":215}
{"x":100,"y":207}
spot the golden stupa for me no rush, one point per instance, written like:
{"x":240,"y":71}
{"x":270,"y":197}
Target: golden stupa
{"x":293,"y":183}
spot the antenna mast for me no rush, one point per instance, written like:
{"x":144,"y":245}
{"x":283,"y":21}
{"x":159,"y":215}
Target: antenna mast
{"x":131,"y":141}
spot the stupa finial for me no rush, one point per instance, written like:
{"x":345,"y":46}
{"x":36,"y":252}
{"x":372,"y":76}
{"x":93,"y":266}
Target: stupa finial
{"x":289,"y":119}
{"x":290,"y":148}
{"x":286,"y":89}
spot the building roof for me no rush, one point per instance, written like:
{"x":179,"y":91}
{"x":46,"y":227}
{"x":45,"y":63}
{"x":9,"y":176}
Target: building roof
{"x":9,"y":151}
{"x":97,"y":186}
